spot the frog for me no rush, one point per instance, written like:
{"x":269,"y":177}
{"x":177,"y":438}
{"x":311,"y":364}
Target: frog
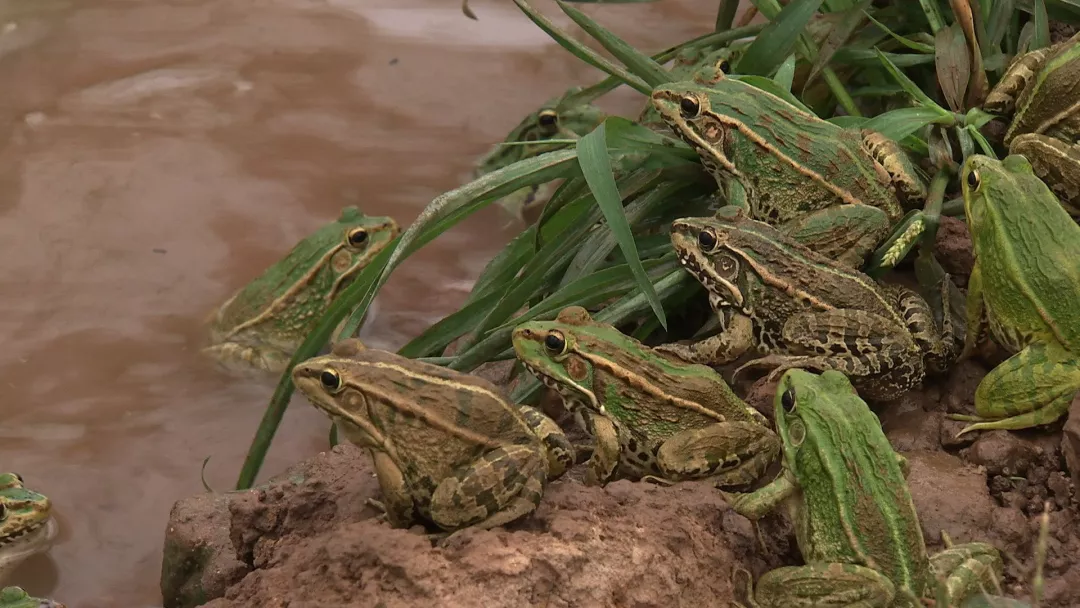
{"x":1037,"y":94}
{"x":653,"y":416}
{"x":15,"y":597}
{"x":800,"y":308}
{"x":1022,"y":292}
{"x":846,"y":492}
{"x":447,"y":447}
{"x":260,"y":326}
{"x":839,"y":190}
{"x":565,"y":117}
{"x":27,"y":526}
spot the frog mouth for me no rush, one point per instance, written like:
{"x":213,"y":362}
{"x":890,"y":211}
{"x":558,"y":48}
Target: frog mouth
{"x":30,"y":539}
{"x":569,"y":390}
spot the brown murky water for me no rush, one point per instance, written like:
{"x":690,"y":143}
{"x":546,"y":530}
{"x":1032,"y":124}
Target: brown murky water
{"x":158,"y":155}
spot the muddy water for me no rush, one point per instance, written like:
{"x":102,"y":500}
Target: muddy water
{"x":158,"y":155}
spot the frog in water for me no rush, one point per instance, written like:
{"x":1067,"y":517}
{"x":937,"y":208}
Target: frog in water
{"x":652,"y":415}
{"x":1024,"y":288}
{"x":846,"y":492}
{"x":26,"y":523}
{"x":15,"y":597}
{"x":447,"y":447}
{"x":260,"y":326}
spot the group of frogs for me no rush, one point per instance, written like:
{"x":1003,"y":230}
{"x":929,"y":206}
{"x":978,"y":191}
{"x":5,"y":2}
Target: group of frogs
{"x":782,"y":267}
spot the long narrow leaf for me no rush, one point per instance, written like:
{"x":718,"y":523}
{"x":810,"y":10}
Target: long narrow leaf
{"x":778,"y":39}
{"x":910,"y":87}
{"x":581,"y":51}
{"x":596,"y":167}
{"x":1042,"y":27}
{"x":638,"y":63}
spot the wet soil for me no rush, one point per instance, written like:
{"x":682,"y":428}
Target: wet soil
{"x":156,"y":156}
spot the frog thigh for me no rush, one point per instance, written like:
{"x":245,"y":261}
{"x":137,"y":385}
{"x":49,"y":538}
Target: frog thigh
{"x":735,"y":452}
{"x":845,"y":232}
{"x":560,"y":452}
{"x":1035,"y":386}
{"x":497,"y":488}
{"x":239,"y":357}
{"x":824,"y":585}
{"x":397,"y":502}
{"x":967,"y":569}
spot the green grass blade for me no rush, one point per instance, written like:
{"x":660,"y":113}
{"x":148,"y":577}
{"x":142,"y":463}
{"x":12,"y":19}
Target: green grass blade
{"x":914,"y":45}
{"x":910,"y":87}
{"x":785,"y":74}
{"x":898,"y":124}
{"x":1041,"y":37}
{"x":501,"y":269}
{"x":640,"y":64}
{"x":777,"y":40}
{"x":581,"y":51}
{"x":933,"y":15}
{"x":596,"y":167}
{"x":435,"y":338}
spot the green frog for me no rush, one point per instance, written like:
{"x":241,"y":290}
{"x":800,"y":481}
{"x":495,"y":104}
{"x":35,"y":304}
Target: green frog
{"x":651,"y":415}
{"x":260,"y":326}
{"x":447,"y":447}
{"x":803,"y":309}
{"x":840,"y":190}
{"x":27,"y":526}
{"x":1024,"y":288}
{"x":15,"y":597}
{"x":1037,"y":94}
{"x":845,"y":490}
{"x":569,"y":116}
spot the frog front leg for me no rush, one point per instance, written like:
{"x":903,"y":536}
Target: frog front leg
{"x":502,"y":485}
{"x":847,"y":233}
{"x":560,"y":452}
{"x":976,"y":321}
{"x":735,"y":339}
{"x":397,"y":502}
{"x":967,"y":569}
{"x":1035,"y":386}
{"x":735,"y":453}
{"x":828,"y":584}
{"x":603,"y":465}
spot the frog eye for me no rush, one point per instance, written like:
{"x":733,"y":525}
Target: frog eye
{"x":331,"y":380}
{"x":19,"y":477}
{"x":787,"y":400}
{"x":973,"y":179}
{"x":357,"y":237}
{"x":689,"y":107}
{"x":725,"y":67}
{"x":555,"y":343}
{"x":707,"y":240}
{"x":547,"y":118}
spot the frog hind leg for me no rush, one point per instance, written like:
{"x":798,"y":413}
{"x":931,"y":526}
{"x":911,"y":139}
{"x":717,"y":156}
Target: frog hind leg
{"x":847,"y":233}
{"x":560,"y":452}
{"x":1035,"y":386}
{"x":238,"y":357}
{"x":824,"y":584}
{"x":967,"y":569}
{"x":841,"y":340}
{"x":735,"y":453}
{"x":504,"y":484}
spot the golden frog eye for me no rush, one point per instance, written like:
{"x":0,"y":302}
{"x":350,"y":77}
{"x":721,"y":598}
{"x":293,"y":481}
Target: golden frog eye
{"x":357,"y":237}
{"x":331,"y":380}
{"x":787,"y":400}
{"x":973,"y":180}
{"x":707,"y":240}
{"x":689,"y":107}
{"x":547,"y":118}
{"x":555,"y":343}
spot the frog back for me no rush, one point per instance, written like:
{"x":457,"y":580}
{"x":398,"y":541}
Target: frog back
{"x":436,"y":418}
{"x":1028,"y":251}
{"x":856,"y":507}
